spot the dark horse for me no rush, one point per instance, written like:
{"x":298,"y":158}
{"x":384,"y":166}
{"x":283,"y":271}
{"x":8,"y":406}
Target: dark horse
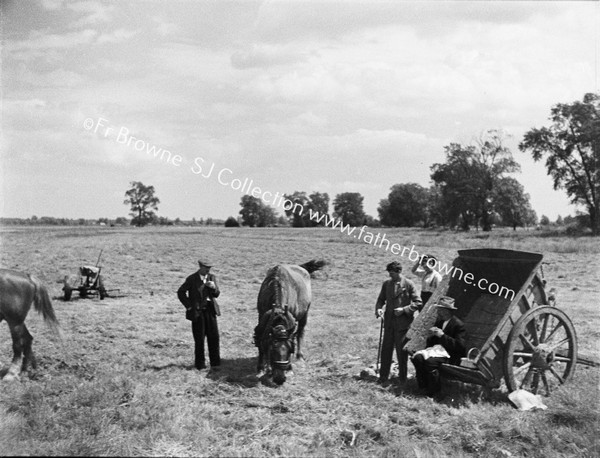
{"x":283,"y":302}
{"x":17,"y":292}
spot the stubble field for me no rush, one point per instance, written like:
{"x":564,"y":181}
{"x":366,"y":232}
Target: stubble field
{"x":122,"y":382}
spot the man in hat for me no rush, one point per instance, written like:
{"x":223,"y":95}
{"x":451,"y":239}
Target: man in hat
{"x":399,"y":295}
{"x":449,"y":333}
{"x":199,"y":295}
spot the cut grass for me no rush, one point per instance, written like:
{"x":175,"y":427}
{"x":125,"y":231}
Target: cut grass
{"x":122,"y":382}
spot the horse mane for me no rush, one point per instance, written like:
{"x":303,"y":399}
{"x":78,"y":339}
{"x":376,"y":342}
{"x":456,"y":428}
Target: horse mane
{"x":313,"y":265}
{"x":273,"y":281}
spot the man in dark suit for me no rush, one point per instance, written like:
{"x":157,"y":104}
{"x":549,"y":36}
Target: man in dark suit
{"x":199,"y":295}
{"x":449,"y":332}
{"x":401,"y":301}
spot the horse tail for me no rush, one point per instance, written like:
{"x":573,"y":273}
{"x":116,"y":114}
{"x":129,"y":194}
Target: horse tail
{"x":43,"y":305}
{"x":313,"y":265}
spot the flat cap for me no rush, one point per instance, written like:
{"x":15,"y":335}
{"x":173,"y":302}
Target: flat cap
{"x":394,"y":266}
{"x":205,"y":262}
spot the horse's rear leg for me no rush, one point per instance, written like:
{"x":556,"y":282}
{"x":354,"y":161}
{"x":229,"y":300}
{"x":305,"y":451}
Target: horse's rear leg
{"x":21,"y":344}
{"x":300,"y":338}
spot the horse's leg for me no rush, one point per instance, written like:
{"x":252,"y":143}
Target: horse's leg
{"x":19,"y":336}
{"x":300,"y":337}
{"x":259,"y":365}
{"x":28,"y":356}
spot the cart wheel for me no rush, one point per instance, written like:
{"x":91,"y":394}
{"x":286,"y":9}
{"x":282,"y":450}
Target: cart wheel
{"x":541,"y":349}
{"x":68,"y":291}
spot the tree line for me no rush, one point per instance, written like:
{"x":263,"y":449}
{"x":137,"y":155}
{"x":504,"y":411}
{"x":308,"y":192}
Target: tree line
{"x":472,"y":188}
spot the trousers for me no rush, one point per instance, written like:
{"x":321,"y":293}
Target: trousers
{"x":393,"y":338}
{"x":206,"y":328}
{"x":428,"y":376}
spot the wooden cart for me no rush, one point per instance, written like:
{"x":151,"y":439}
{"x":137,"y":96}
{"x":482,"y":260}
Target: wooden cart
{"x":514,"y":331}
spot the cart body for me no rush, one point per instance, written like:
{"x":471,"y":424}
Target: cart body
{"x":514,"y":331}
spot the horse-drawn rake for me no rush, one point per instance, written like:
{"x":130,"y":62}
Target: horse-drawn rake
{"x":517,"y":335}
{"x":89,"y":282}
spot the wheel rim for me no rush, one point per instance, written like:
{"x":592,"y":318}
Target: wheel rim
{"x":541,"y":351}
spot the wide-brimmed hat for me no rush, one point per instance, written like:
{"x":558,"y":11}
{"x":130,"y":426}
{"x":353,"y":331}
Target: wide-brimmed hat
{"x":204,"y":262}
{"x":446,"y":302}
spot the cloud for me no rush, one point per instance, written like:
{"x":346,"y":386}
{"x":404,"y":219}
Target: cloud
{"x":116,"y":36}
{"x":41,"y":41}
{"x":265,"y":55}
{"x":95,"y":12}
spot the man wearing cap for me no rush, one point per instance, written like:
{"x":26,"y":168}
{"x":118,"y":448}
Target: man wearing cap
{"x":449,"y":332}
{"x":199,"y":295}
{"x":399,"y":295}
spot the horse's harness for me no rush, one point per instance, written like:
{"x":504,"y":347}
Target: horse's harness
{"x":280,"y":330}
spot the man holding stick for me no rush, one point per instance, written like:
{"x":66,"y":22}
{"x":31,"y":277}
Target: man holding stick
{"x":399,"y":295}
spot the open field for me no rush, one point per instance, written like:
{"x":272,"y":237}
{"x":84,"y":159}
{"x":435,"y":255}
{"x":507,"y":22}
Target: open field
{"x":122,"y":381}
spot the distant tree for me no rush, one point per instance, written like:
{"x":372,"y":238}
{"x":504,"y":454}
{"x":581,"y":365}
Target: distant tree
{"x":559,"y":220}
{"x":319,"y":203}
{"x":468,"y":177}
{"x":571,"y":147}
{"x":142,"y":201}
{"x":121,"y":220}
{"x":255,"y":213}
{"x":282,"y":221}
{"x":405,"y":206}
{"x":348,"y":206}
{"x":544,"y":220}
{"x":300,"y":212}
{"x":511,"y":202}
{"x":231,"y":222}
{"x":372,"y":222}
{"x":209,"y":222}
{"x":267,"y":216}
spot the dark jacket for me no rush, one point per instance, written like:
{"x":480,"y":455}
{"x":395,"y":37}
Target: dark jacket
{"x":197,"y":297}
{"x":453,"y":339}
{"x":404,"y":295}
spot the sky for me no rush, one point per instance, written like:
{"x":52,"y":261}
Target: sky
{"x":197,"y":97}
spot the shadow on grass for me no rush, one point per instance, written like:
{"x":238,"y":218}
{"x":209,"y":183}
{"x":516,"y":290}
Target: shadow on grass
{"x":453,"y":394}
{"x":237,"y":371}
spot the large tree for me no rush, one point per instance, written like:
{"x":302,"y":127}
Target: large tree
{"x":406,"y":205}
{"x":468,"y":177}
{"x":511,"y":202}
{"x":571,"y":147}
{"x":348,"y":206}
{"x":256,"y":213}
{"x":142,"y":201}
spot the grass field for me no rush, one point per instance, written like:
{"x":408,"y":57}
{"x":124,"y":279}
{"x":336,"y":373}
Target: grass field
{"x":122,"y":381}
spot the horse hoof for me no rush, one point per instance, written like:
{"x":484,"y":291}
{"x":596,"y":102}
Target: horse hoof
{"x":260,"y":374}
{"x":10,"y":377}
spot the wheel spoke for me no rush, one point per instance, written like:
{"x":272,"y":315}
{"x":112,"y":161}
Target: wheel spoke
{"x":546,"y":385}
{"x":522,"y":354}
{"x":526,"y":342}
{"x":554,"y":331}
{"x":525,"y":381}
{"x":533,"y":331}
{"x":558,"y":344}
{"x":556,"y":374}
{"x":536,"y":382}
{"x":544,"y":328}
{"x":522,"y":369}
{"x":562,"y":359}
{"x":517,"y":372}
